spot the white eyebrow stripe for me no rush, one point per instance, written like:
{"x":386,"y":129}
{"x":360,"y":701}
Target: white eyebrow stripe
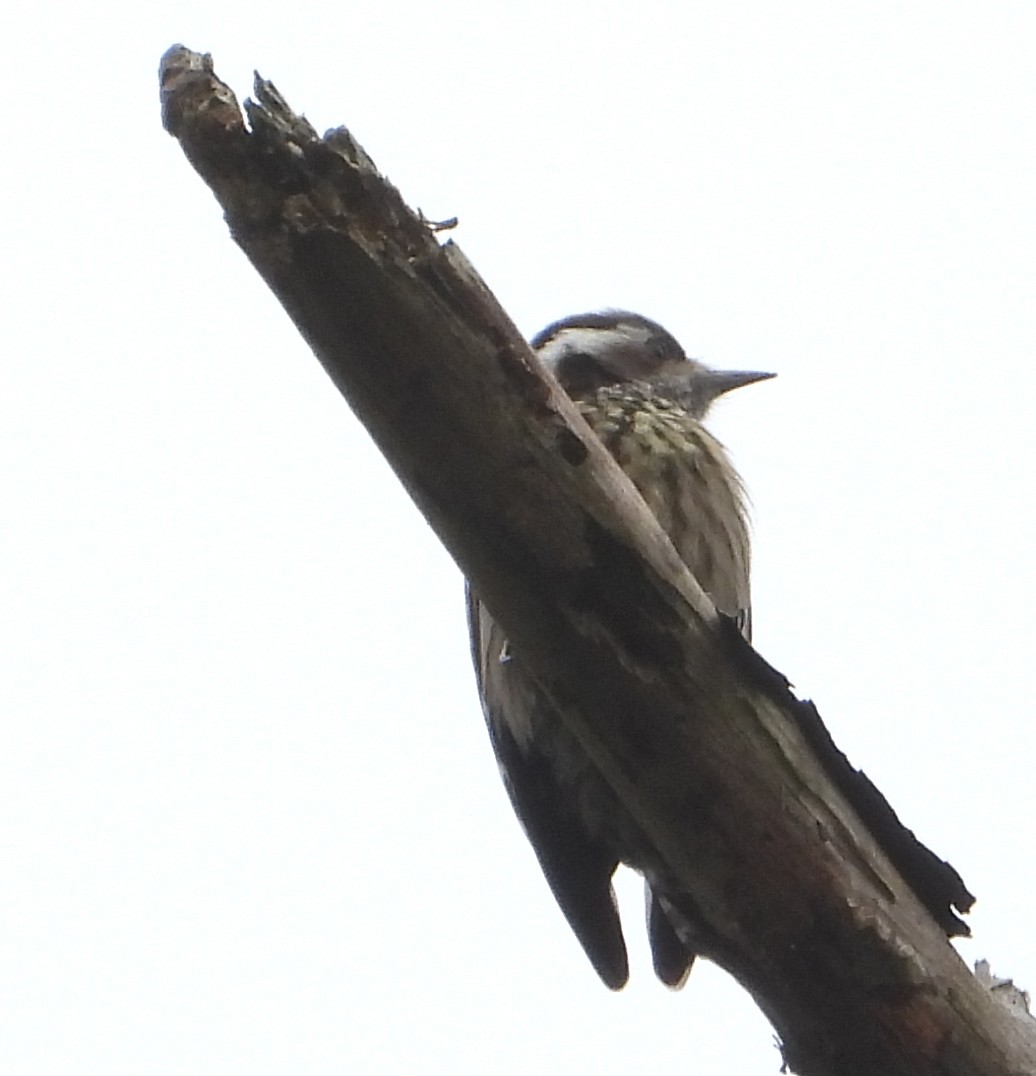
{"x":590,"y":340}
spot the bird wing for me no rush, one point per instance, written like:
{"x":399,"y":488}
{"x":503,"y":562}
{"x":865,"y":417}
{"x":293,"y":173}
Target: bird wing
{"x":684,"y":475}
{"x":577,"y":866}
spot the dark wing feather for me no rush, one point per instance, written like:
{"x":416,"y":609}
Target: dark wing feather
{"x":671,"y":958}
{"x":578,"y":867}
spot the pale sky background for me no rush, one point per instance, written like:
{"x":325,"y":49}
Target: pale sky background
{"x":250,"y":821}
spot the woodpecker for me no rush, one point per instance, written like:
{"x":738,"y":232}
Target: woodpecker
{"x":645,"y":399}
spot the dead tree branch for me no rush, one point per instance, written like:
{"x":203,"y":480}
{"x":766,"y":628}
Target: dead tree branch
{"x":800,"y":879}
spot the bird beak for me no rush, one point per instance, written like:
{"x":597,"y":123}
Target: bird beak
{"x":717,"y":382}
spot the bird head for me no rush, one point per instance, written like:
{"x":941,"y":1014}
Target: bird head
{"x":589,"y":352}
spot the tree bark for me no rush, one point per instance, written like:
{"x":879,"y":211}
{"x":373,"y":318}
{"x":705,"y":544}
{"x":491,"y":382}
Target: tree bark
{"x":799,"y":878}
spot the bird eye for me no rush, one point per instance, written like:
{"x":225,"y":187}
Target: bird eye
{"x":659,"y":348}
